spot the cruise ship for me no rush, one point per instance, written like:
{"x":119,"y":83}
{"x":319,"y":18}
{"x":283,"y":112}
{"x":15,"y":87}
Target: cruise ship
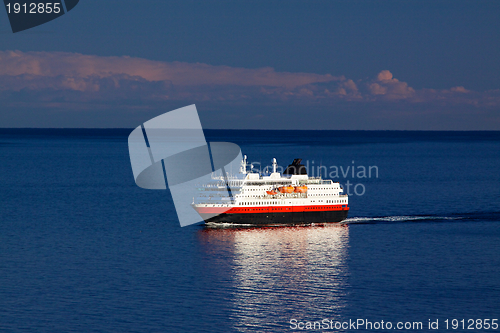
{"x":252,"y":198}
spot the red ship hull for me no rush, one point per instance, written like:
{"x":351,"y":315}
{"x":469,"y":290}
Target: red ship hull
{"x":275,"y":215}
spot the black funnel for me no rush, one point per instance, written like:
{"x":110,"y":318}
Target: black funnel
{"x":296,"y":168}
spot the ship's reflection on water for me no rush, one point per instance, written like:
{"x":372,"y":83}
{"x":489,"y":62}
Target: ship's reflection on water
{"x":282,"y":273}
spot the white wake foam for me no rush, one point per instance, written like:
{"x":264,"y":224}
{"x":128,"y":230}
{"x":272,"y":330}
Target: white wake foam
{"x":403,"y":218}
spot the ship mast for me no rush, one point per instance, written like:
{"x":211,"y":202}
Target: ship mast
{"x":244,"y":164}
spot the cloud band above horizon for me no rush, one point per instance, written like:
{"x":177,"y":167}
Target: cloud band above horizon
{"x":74,"y":81}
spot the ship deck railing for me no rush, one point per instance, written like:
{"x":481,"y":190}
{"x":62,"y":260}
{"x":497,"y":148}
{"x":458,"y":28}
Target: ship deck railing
{"x":283,"y":196}
{"x":316,"y":180}
{"x":216,"y":197}
{"x":215,"y":203}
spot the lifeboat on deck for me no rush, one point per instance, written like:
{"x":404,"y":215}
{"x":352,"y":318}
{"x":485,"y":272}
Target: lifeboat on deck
{"x":300,"y":189}
{"x":272,"y":192}
{"x":286,"y":189}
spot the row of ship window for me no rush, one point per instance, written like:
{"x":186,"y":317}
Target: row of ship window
{"x":319,"y":207}
{"x":276,"y":203}
{"x":257,"y":203}
{"x":312,"y":195}
{"x":252,"y":196}
{"x":288,"y":208}
{"x":311,"y":188}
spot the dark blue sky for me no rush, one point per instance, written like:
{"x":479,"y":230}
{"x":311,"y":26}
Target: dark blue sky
{"x":431,"y":46}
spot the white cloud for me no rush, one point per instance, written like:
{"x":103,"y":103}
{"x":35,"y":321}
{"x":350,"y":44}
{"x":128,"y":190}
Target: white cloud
{"x":54,"y":64}
{"x":76,"y":78}
{"x":389,"y":87}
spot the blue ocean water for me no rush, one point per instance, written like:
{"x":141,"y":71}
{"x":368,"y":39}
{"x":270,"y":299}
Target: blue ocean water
{"x":83,"y":249}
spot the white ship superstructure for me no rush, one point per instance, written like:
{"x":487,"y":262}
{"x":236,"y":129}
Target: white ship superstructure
{"x":288,"y":198}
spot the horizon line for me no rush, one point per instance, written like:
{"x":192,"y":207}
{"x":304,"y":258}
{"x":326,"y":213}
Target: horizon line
{"x":248,"y":129}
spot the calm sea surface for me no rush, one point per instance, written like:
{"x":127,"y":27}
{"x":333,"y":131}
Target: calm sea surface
{"x":83,"y":249}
